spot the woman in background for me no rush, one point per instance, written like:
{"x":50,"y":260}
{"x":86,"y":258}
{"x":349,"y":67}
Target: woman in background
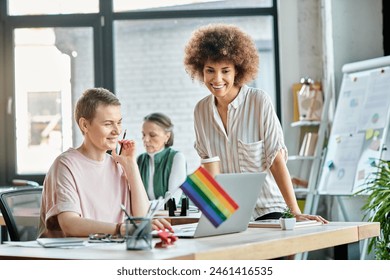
{"x":162,"y":168}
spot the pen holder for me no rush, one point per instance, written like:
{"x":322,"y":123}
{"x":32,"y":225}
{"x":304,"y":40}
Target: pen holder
{"x":138,"y":233}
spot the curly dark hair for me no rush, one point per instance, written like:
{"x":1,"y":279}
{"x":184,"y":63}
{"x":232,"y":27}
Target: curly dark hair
{"x":222,"y":42}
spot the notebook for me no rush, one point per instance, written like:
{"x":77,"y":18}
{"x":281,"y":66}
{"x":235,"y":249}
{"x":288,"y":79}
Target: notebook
{"x":244,"y":188}
{"x":61,"y":242}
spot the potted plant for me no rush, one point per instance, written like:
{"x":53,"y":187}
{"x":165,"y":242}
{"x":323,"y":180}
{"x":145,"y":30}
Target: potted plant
{"x":377,"y":207}
{"x":288,"y":220}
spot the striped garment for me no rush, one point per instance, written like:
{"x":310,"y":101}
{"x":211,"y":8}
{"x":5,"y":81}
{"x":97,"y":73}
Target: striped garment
{"x":252,"y":140}
{"x":209,"y":196}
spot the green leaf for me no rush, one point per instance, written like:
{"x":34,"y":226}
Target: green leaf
{"x":377,"y":207}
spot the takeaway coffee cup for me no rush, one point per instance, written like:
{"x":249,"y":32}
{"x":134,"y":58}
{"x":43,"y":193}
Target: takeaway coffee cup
{"x":212,"y":165}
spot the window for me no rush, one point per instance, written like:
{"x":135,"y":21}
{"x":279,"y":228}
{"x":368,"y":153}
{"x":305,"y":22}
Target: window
{"x":150,"y":75}
{"x":53,"y":50}
{"x":126,"y":5}
{"x":47,"y":66}
{"x":49,"y":7}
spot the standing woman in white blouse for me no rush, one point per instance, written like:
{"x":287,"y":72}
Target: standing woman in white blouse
{"x":238,"y":123}
{"x":162,"y":168}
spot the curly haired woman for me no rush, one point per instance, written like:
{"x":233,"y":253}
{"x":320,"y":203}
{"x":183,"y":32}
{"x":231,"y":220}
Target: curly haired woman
{"x":238,"y":123}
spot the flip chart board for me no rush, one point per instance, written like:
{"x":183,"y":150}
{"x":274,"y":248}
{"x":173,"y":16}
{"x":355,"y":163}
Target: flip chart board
{"x":359,"y":132}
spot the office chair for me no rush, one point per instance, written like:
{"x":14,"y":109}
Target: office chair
{"x":24,"y":183}
{"x":20,"y":210}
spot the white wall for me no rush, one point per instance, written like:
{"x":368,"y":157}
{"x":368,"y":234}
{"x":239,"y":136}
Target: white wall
{"x":357,"y":32}
{"x":317,"y":37}
{"x":300,"y":42}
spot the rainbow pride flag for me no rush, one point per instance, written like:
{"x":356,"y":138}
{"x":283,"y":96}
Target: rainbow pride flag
{"x":209,"y":196}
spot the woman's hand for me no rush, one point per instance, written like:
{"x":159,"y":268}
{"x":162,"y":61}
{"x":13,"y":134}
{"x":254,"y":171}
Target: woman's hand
{"x":128,"y":148}
{"x":161,"y":224}
{"x":305,"y":217}
{"x":128,"y":151}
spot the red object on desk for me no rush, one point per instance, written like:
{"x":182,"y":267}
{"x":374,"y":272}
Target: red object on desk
{"x":167,"y":239}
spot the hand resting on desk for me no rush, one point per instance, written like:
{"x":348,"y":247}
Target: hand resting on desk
{"x":161,"y":224}
{"x":305,"y":217}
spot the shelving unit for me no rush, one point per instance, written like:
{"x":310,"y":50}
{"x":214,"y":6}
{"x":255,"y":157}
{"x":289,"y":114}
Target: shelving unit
{"x":305,"y":171}
{"x":311,"y":166}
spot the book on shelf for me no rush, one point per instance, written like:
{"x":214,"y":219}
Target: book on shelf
{"x":303,"y":145}
{"x":272,"y":223}
{"x":311,"y":143}
{"x":308,"y":144}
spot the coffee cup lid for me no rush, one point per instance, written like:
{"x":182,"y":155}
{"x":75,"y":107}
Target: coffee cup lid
{"x":208,"y":160}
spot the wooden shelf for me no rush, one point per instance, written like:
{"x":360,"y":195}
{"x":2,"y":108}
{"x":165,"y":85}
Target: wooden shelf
{"x":301,"y":191}
{"x":302,"y":158}
{"x":305,"y":123}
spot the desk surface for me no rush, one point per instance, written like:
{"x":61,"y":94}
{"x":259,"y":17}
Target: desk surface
{"x":254,"y":243}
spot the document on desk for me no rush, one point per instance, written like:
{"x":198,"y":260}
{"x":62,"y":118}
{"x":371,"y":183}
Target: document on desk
{"x":27,"y":244}
{"x":271,"y":223}
{"x":49,"y":244}
{"x":61,"y":242}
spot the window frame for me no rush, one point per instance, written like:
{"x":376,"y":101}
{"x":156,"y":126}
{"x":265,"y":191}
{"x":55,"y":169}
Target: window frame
{"x":102,"y":24}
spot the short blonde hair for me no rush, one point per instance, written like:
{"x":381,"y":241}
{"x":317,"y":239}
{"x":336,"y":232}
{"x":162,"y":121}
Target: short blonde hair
{"x":87,"y":104}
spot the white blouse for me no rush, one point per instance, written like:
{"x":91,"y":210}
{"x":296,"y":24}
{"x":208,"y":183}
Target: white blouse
{"x":253,"y":138}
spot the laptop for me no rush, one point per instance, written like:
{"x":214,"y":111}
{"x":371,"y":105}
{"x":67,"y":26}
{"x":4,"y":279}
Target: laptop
{"x":244,"y":188}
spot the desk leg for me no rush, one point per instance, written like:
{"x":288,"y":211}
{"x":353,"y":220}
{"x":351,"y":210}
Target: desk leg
{"x":347,"y":251}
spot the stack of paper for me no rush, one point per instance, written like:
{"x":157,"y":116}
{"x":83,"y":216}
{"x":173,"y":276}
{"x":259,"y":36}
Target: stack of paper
{"x":275,"y":224}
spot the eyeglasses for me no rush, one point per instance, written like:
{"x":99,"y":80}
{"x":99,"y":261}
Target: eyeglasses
{"x":105,"y":238}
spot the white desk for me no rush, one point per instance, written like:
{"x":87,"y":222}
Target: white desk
{"x":254,"y":243}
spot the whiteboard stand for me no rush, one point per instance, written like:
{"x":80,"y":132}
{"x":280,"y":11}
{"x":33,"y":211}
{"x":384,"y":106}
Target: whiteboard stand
{"x":360,"y":130}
